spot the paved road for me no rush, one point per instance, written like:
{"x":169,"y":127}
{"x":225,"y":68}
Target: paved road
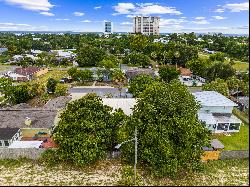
{"x":101,"y":91}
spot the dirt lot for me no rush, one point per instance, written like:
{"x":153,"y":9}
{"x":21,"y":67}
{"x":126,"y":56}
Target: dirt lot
{"x":221,"y":173}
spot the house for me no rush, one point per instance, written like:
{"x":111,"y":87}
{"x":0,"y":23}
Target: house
{"x":131,"y":74}
{"x":31,"y":72}
{"x":16,"y":77}
{"x":2,"y":50}
{"x":216,"y":112}
{"x":8,"y":135}
{"x":35,"y":52}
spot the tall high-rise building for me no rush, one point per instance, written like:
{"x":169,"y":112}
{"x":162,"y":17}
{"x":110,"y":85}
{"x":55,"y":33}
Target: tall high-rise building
{"x":108,"y":27}
{"x":147,"y":25}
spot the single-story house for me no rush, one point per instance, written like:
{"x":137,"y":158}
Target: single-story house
{"x":8,"y":135}
{"x":131,"y":74}
{"x":216,"y":112}
{"x":31,"y":72}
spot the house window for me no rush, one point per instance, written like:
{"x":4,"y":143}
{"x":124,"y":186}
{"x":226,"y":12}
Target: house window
{"x":222,"y":126}
{"x":234,"y":126}
{"x":6,"y":143}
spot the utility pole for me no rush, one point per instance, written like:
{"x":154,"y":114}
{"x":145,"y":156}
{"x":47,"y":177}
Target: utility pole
{"x":135,"y":155}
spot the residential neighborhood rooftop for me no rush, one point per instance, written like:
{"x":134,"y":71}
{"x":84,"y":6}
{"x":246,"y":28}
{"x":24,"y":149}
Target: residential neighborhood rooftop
{"x":126,"y":104}
{"x":212,"y":98}
{"x":7,"y":133}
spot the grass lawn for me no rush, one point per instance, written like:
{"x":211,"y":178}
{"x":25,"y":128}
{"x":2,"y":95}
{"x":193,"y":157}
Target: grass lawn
{"x":237,"y":141}
{"x":55,"y":74}
{"x":241,"y":66}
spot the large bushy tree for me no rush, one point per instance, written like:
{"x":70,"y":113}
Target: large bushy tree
{"x":89,"y":55}
{"x":219,"y":70}
{"x":87,"y":130}
{"x":137,"y":59}
{"x":14,"y":94}
{"x":170,"y":136}
{"x":217,"y":85}
{"x":139,"y":84}
{"x":168,"y":73}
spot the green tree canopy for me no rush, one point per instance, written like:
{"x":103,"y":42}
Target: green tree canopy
{"x":87,"y":130}
{"x":51,"y":85}
{"x":168,"y":73}
{"x":137,"y":59}
{"x":218,"y":56}
{"x":14,"y":94}
{"x":139,"y":84}
{"x":170,"y":136}
{"x":198,"y":66}
{"x":89,"y":55}
{"x":217,"y":85}
{"x":219,"y":70}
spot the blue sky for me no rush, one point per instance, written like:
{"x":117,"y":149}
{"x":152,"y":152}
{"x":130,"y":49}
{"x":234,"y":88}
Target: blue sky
{"x":226,"y":16}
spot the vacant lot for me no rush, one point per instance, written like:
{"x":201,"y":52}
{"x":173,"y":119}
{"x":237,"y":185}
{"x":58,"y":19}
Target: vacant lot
{"x":227,"y":172}
{"x":55,"y":74}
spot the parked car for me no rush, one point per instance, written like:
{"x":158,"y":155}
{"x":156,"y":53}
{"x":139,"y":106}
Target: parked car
{"x":65,"y":80}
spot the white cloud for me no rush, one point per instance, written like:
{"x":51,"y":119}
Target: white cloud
{"x":183,"y":17}
{"x":79,"y":14}
{"x":20,"y":27}
{"x":144,"y":9}
{"x":35,"y":5}
{"x":86,"y":21}
{"x":200,"y":22}
{"x":124,"y":8}
{"x":219,"y":10}
{"x":47,"y":13}
{"x":200,"y":18}
{"x":62,"y":19}
{"x":97,"y":7}
{"x":218,"y":17}
{"x":130,"y":16}
{"x":126,"y":23}
{"x":237,"y":7}
{"x":165,"y":22}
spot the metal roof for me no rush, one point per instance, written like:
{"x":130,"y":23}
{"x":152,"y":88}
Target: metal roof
{"x":210,"y":118}
{"x":212,"y":98}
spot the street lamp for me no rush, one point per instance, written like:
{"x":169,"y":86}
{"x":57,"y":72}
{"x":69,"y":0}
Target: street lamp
{"x":136,"y":142}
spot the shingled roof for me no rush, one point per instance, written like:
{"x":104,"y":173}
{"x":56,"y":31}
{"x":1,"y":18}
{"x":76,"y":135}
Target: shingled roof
{"x":27,"y":71}
{"x":7,"y":133}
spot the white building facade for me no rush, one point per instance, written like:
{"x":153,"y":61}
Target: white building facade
{"x":216,"y":112}
{"x":108,"y":27}
{"x":146,"y":25}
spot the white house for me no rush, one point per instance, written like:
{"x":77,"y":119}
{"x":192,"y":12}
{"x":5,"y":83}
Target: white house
{"x":216,"y":112}
{"x":8,"y":136}
{"x":2,"y":50}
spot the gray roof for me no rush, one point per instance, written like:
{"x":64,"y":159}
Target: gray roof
{"x":212,"y":98}
{"x":244,"y":101}
{"x":16,"y":118}
{"x":7,"y":133}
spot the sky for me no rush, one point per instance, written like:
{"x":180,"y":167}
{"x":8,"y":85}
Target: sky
{"x":201,"y":16}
